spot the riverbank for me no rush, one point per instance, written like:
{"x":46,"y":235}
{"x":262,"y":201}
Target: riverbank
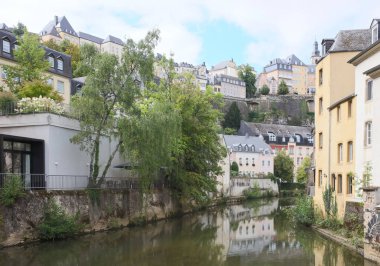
{"x":99,"y":211}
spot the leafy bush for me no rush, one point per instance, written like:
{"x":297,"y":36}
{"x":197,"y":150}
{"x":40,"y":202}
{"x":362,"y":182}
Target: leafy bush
{"x":7,"y":100}
{"x":40,"y":104}
{"x":304,"y":211}
{"x":253,"y":193}
{"x":39,"y":88}
{"x":13,"y":189}
{"x":264,"y":90}
{"x":56,"y":224}
{"x":230,"y":131}
{"x":329,"y":201}
{"x":234,"y":169}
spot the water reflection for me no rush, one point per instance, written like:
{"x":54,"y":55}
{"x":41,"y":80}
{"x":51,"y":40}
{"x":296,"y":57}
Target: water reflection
{"x":256,"y":233}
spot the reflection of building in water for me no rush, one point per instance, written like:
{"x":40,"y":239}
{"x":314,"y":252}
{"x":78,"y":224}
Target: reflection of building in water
{"x":251,"y":236}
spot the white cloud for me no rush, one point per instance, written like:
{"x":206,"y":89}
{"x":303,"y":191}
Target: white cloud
{"x":277,"y":28}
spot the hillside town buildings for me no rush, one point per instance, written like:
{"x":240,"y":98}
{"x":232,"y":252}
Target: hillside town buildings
{"x":298,"y":76}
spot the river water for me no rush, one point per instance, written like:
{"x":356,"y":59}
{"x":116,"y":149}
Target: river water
{"x":255,"y":233}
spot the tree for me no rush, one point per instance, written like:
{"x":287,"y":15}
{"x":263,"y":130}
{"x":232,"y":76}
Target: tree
{"x":31,"y":66}
{"x":109,"y":98}
{"x":303,"y":171}
{"x":282,"y":88}
{"x":39,"y":88}
{"x":230,"y":131}
{"x":19,"y":29}
{"x":283,"y":167}
{"x":85,"y":64}
{"x":232,"y":117}
{"x":264,"y":90}
{"x":234,"y":168}
{"x":247,"y":75}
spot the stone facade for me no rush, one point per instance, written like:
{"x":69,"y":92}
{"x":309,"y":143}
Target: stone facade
{"x":371,"y":197}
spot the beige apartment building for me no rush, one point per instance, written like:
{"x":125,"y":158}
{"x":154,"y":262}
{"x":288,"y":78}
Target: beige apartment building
{"x":335,"y":121}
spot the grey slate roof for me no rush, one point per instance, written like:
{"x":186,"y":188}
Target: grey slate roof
{"x":90,"y":37}
{"x":63,"y":23}
{"x":222,"y":64}
{"x":234,"y":141}
{"x":279,"y":130}
{"x":113,"y":39}
{"x":351,"y":40}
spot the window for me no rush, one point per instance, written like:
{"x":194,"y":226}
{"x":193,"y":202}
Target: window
{"x":59,"y":64}
{"x":263,"y":163}
{"x":350,"y":151}
{"x":349,"y":184}
{"x":375,"y":36}
{"x":246,"y":148}
{"x":320,"y":140}
{"x":240,"y":148}
{"x":253,"y":161}
{"x":320,"y":105}
{"x":240,"y":161}
{"x":6,"y":46}
{"x":339,"y":183}
{"x":349,"y":108}
{"x":300,"y":151}
{"x":320,"y":76}
{"x":60,"y":86}
{"x":333,"y":180}
{"x":291,"y":150}
{"x":340,"y":152}
{"x":272,"y":136}
{"x":3,"y":74}
{"x":268,"y":163}
{"x":338,"y":113}
{"x":51,"y":61}
{"x":320,"y":178}
{"x":310,"y":138}
{"x":50,"y":81}
{"x":298,"y":160}
{"x":369,"y":90}
{"x":246,"y":161}
{"x":367,"y":133}
{"x":298,"y":138}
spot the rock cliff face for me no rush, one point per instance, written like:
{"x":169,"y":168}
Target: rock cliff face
{"x":109,"y":209}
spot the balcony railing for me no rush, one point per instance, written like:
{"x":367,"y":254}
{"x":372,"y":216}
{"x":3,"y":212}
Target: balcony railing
{"x":75,"y":182}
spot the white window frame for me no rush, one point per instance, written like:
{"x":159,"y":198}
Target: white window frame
{"x":369,"y":90}
{"x":6,"y":46}
{"x":60,"y":64}
{"x":368,"y":133}
{"x":272,"y":136}
{"x":340,"y":152}
{"x":350,"y":151}
{"x":51,"y":60}
{"x":375,"y":32}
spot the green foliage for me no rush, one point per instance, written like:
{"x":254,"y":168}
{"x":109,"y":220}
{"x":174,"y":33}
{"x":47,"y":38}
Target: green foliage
{"x":282,"y":88}
{"x":329,"y":202}
{"x":234,"y":168}
{"x":7,"y":100}
{"x":230,"y":131}
{"x":256,"y":116}
{"x":304,"y":211}
{"x":39,"y":88}
{"x":13,"y":189}
{"x":283,"y":166}
{"x":253,"y":193}
{"x":246,"y":74}
{"x":31,"y":66}
{"x":303,"y":171}
{"x":109,"y":99}
{"x":367,"y":175}
{"x":19,"y":29}
{"x":85,"y":65}
{"x":264,"y":90}
{"x":56,"y":224}
{"x":232,"y":117}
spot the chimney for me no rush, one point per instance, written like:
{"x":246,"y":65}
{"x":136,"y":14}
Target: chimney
{"x":56,"y":20}
{"x":326,"y":45}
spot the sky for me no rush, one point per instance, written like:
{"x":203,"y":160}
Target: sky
{"x":196,"y":31}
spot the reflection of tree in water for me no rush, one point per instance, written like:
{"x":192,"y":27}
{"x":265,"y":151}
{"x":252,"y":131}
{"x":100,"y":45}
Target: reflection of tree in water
{"x":180,"y":242}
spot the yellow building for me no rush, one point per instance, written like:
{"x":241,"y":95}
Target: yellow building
{"x":335,"y":121}
{"x":59,"y":74}
{"x":299,"y":76}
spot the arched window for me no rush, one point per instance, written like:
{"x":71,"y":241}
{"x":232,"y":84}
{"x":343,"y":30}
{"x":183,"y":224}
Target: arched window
{"x":6,"y":46}
{"x":298,"y":138}
{"x":60,"y":64}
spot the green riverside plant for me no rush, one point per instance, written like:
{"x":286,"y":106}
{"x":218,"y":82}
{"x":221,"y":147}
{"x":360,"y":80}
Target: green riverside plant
{"x":13,"y":189}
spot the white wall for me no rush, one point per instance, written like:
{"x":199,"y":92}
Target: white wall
{"x":367,"y":111}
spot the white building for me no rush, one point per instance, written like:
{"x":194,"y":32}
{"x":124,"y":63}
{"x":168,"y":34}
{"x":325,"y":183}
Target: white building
{"x":367,"y":87}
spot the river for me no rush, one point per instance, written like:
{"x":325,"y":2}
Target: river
{"x":254,"y":233}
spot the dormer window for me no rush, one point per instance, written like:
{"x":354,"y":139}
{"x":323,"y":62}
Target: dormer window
{"x":239,"y":148}
{"x":298,"y":138}
{"x":246,"y":148}
{"x":375,"y":34}
{"x":60,"y":64}
{"x":272,"y":136}
{"x":310,"y":138}
{"x":6,"y":46}
{"x":51,"y":61}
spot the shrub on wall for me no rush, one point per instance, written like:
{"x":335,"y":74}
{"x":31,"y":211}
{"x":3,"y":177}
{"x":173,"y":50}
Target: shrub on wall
{"x":56,"y":224}
{"x":40,"y":104}
{"x":13,"y":189}
{"x":39,"y":88}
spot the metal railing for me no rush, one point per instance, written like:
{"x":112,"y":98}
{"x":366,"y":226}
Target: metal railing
{"x":13,"y":108}
{"x":74,"y":182}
